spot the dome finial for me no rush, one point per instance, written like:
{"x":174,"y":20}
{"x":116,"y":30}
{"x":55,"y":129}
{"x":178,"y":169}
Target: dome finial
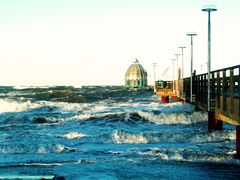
{"x":136,"y":60}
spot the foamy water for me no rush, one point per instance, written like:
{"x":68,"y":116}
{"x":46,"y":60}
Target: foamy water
{"x":109,"y":133}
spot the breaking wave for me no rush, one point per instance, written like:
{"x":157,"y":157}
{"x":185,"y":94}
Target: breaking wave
{"x":123,"y":137}
{"x":37,"y":148}
{"x":177,"y":137}
{"x":7,"y":105}
{"x":73,"y":135}
{"x":189,"y":155}
{"x":174,"y":118}
{"x":108,"y":126}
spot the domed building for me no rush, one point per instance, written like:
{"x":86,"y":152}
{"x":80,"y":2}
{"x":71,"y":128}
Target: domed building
{"x":136,"y":76}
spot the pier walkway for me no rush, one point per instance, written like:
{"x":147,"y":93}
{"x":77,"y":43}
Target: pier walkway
{"x":224,"y":96}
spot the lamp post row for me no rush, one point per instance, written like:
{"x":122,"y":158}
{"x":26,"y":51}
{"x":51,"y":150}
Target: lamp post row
{"x":207,"y":9}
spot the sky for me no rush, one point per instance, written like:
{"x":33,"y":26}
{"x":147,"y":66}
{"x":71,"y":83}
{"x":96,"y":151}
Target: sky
{"x":93,"y":42}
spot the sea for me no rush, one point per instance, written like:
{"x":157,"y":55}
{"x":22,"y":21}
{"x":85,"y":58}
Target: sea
{"x":108,"y":132}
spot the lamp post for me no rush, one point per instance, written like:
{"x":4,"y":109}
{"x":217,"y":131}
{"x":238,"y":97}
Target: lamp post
{"x":173,"y":74}
{"x":191,"y":34}
{"x":182,"y":47}
{"x":177,"y":92}
{"x":154,"y":76}
{"x":201,"y":66}
{"x":209,"y":9}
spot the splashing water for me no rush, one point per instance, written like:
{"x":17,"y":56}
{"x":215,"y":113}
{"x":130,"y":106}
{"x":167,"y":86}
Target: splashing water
{"x":108,"y":133}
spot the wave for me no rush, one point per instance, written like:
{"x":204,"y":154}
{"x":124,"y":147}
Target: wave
{"x":30,"y":87}
{"x":123,"y":137}
{"x":127,"y":118}
{"x":70,"y":94}
{"x":35,"y":148}
{"x":72,"y":135}
{"x":189,"y":155}
{"x":194,"y":137}
{"x":7,"y":105}
{"x":54,"y":112}
{"x":176,"y":107}
{"x":28,"y":176}
{"x":174,"y":118}
{"x":215,"y":136}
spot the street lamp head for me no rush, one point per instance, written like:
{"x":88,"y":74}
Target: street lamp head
{"x":209,"y":8}
{"x":191,"y":34}
{"x":181,"y":47}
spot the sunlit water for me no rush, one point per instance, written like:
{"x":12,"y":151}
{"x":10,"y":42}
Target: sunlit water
{"x":109,"y":133}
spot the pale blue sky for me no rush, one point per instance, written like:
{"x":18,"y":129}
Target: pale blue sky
{"x":92,"y":42}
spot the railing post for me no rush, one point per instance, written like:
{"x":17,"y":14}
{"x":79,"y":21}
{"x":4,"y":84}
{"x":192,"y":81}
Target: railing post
{"x":218,"y":89}
{"x":213,"y":122}
{"x":231,"y":84}
{"x":197,"y":89}
{"x":194,"y":88}
{"x":205,"y":90}
{"x":212,"y":93}
{"x":239,"y":91}
{"x":224,"y":89}
{"x":200,"y":88}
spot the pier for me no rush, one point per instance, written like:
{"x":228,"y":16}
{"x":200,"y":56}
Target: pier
{"x":224,"y":97}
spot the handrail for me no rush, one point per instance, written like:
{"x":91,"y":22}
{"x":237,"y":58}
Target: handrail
{"x":219,"y":70}
{"x":228,"y":68}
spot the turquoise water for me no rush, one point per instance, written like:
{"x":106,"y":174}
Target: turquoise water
{"x":108,"y":133}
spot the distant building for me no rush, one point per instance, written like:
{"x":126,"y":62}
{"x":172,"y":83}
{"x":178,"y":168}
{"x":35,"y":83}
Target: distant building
{"x":136,"y":76}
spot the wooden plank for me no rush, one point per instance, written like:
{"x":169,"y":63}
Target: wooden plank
{"x":226,"y":119}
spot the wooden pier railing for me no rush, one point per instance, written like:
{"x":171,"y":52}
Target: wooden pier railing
{"x":224,"y":98}
{"x":224,"y":94}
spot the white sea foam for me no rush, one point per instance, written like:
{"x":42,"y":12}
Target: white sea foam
{"x":50,"y":148}
{"x":41,"y":150}
{"x":173,"y":118}
{"x":59,"y":148}
{"x":215,"y":136}
{"x":189,"y":155}
{"x":122,"y":137}
{"x":175,"y":107}
{"x":13,"y":106}
{"x":16,"y":176}
{"x":73,"y":135}
{"x":30,"y":87}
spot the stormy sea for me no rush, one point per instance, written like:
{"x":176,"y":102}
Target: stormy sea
{"x":108,"y":132}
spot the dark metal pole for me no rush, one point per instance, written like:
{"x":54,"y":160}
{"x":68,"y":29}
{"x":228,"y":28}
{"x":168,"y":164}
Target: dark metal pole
{"x":191,"y":35}
{"x":209,"y":61}
{"x":209,"y":9}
